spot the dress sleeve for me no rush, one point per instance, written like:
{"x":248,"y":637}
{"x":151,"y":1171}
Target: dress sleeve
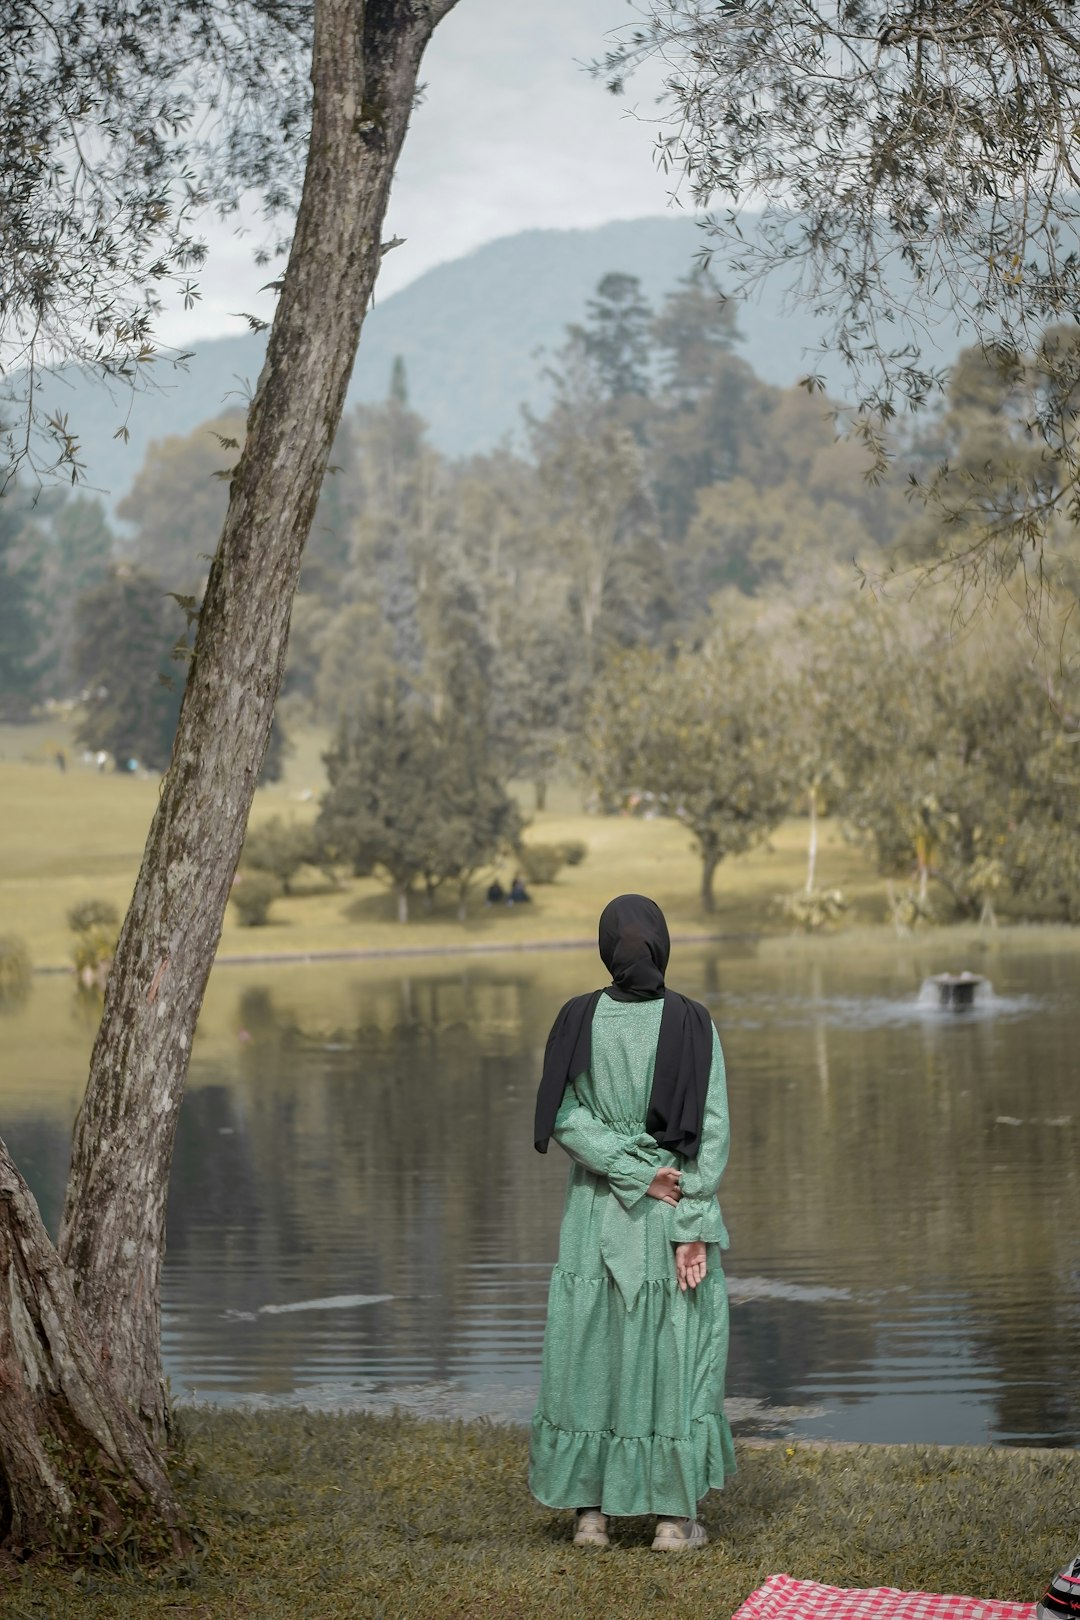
{"x":697,"y":1217}
{"x":627,"y":1163}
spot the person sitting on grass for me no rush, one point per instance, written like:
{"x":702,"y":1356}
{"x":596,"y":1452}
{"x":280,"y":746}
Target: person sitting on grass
{"x":519,"y":894}
{"x":630,"y":1418}
{"x":496,"y":894}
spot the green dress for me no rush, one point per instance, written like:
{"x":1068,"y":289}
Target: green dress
{"x":631,"y":1411}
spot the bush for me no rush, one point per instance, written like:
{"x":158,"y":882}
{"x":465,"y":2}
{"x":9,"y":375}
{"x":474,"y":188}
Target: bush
{"x":280,"y":847}
{"x":253,"y":893}
{"x":574,"y":851}
{"x":91,"y":914}
{"x":541,"y":863}
{"x":15,"y":964}
{"x":818,"y":909}
{"x":95,"y":924}
{"x":93,"y":953}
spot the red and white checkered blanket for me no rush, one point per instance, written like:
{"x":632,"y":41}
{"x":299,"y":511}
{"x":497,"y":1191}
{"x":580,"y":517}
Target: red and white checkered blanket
{"x":784,"y":1598}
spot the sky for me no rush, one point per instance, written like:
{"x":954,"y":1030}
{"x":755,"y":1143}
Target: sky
{"x":512,"y":134}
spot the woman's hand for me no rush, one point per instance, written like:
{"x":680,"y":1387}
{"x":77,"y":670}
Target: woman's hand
{"x":665,"y":1186}
{"x":689,"y":1264}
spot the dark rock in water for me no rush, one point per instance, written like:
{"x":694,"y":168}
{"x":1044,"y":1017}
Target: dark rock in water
{"x":955,"y":989}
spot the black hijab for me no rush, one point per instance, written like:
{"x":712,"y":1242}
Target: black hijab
{"x":634,"y":947}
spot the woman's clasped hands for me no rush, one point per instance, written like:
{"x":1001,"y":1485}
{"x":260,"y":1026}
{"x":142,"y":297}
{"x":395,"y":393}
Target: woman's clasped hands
{"x":689,"y":1264}
{"x":689,"y":1257}
{"x":665,"y":1186}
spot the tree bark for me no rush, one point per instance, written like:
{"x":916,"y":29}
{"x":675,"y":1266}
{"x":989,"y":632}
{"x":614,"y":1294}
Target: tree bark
{"x":75,"y":1464}
{"x":364,"y":70}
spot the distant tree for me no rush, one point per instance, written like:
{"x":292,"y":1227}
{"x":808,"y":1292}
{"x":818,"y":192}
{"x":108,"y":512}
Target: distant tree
{"x":126,"y":629}
{"x":478,"y":822}
{"x":977,"y":463}
{"x":592,"y":472}
{"x":712,"y":407}
{"x":399,"y":385}
{"x":693,"y":332}
{"x":75,"y":546}
{"x":21,"y":627}
{"x":177,"y":503}
{"x":412,"y":800}
{"x":753,"y":538}
{"x":397,"y":486}
{"x":352,"y":652}
{"x":617,"y":333}
{"x":537,"y":696}
{"x":279,"y":847}
{"x":703,"y":738}
{"x":957,"y":768}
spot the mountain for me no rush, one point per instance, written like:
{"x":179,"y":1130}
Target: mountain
{"x":473,"y":334}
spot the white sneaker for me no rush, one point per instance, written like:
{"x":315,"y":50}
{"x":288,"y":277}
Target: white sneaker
{"x":590,"y":1528}
{"x":678,"y":1535}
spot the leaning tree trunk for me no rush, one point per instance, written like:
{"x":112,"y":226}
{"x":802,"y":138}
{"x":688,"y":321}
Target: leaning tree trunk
{"x":75,"y":1464}
{"x":364,"y":70}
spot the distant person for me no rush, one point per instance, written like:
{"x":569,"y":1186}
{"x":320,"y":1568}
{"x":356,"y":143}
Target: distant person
{"x":519,"y":894}
{"x":631,"y":1412}
{"x":61,"y":761}
{"x":496,"y":894}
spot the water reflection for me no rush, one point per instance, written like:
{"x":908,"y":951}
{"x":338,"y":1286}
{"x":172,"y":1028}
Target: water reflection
{"x":356,"y":1148}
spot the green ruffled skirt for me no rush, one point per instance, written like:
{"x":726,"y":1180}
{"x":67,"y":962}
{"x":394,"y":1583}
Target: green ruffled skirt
{"x":631,"y":1411}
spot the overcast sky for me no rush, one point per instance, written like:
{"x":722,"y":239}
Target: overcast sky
{"x":512,"y":134}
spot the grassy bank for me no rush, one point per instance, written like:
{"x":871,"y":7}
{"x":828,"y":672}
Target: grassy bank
{"x":74,"y":835}
{"x":326,"y":1517}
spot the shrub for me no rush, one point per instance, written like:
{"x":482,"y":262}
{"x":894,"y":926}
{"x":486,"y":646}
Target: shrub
{"x":280,"y":847}
{"x":253,"y":893}
{"x":95,"y":924}
{"x":15,"y":964}
{"x":574,"y":851}
{"x":818,"y":909}
{"x":93,"y":953}
{"x":541,"y":862}
{"x":91,"y":914}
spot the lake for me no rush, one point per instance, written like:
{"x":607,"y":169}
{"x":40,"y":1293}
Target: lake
{"x":358,"y":1217}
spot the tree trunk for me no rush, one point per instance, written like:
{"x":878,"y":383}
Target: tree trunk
{"x":540,"y":788}
{"x":75,"y":1464}
{"x":364,"y":71}
{"x":709,"y":863}
{"x":922,"y":858}
{"x":403,"y":905}
{"x":811,"y":853}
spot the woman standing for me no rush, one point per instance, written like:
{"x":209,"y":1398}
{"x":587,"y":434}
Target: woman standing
{"x":631,"y":1412}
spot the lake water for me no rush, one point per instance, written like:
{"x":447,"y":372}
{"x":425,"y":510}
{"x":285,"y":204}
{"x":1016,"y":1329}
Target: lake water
{"x":358,"y":1217}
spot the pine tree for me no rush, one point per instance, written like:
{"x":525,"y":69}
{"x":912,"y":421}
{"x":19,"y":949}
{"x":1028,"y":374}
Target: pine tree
{"x":617,"y":336}
{"x":21,"y":629}
{"x":125,"y":632}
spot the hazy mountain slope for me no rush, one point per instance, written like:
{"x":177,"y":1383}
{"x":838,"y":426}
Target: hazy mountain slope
{"x":469,"y":330}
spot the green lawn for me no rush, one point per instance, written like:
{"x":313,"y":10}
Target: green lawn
{"x":75,"y":835}
{"x":316,"y":1517}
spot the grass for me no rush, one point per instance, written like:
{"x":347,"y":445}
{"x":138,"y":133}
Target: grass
{"x":77,"y":835}
{"x":319,"y":1517}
